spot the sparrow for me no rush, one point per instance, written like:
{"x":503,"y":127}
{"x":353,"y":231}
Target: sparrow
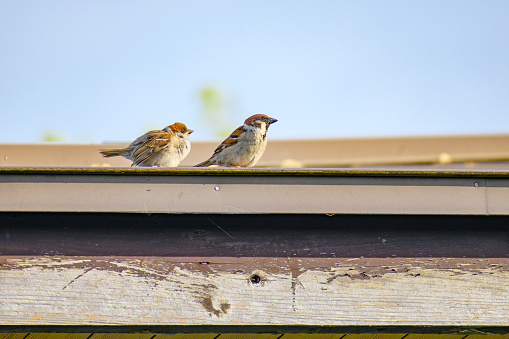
{"x":159,"y":148}
{"x":245,"y":146}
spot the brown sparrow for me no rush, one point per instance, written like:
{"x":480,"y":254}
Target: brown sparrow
{"x":245,"y":146}
{"x":160,"y":148}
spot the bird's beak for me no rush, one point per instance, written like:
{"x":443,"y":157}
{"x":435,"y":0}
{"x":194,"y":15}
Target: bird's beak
{"x":271,"y":120}
{"x":190,"y":131}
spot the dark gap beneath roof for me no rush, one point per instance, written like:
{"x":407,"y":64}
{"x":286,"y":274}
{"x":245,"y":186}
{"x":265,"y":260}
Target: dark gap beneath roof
{"x":272,"y":235}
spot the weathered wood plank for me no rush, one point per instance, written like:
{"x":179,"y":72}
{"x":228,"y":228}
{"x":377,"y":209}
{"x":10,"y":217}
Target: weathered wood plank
{"x":254,"y":291}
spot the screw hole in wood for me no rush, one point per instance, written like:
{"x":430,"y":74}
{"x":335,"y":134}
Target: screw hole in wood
{"x":255,"y":279}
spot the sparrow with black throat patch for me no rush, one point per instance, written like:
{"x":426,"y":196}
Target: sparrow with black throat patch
{"x":245,"y":146}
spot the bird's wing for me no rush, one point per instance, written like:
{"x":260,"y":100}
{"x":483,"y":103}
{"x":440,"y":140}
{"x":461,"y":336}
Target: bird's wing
{"x":152,"y":143}
{"x":230,"y":141}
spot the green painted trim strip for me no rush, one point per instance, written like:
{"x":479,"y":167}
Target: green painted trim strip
{"x":217,"y":171}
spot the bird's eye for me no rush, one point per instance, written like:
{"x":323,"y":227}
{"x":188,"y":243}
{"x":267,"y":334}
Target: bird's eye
{"x":182,"y":131}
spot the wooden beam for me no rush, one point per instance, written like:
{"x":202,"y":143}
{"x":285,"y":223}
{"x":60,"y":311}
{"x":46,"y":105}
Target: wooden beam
{"x":262,"y":273}
{"x":294,"y":291}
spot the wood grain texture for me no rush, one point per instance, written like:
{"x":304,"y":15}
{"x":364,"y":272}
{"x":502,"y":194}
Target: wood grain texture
{"x":254,"y":291}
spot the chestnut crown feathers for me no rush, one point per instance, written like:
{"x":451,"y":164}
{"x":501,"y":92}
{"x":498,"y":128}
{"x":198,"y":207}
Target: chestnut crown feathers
{"x":260,"y":117}
{"x":180,"y":127}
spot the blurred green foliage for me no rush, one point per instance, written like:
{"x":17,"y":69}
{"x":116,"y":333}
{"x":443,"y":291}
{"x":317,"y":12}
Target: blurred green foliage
{"x":214,"y":110}
{"x":52,"y":137}
{"x":213,"y":113}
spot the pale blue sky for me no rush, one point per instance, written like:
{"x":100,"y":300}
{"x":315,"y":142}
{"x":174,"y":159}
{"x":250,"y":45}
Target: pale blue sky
{"x":97,"y":71}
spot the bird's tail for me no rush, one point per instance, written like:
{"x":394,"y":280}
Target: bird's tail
{"x":206,"y":163}
{"x":111,"y":152}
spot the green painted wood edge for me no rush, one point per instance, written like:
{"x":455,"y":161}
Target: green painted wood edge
{"x":218,"y":171}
